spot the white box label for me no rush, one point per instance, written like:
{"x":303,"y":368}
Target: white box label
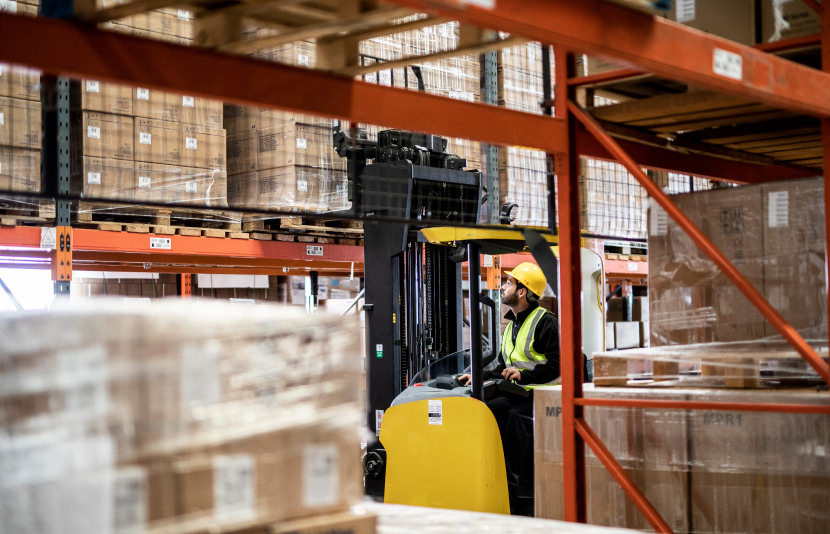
{"x":142,"y":94}
{"x":92,"y":86}
{"x":314,"y":250}
{"x":685,"y":10}
{"x":188,"y":101}
{"x":659,"y":224}
{"x":93,"y":132}
{"x":302,"y":143}
{"x":190,"y":187}
{"x":144,"y":182}
{"x":302,"y":60}
{"x":190,"y":143}
{"x":183,"y":14}
{"x":130,"y":500}
{"x":234,"y":487}
{"x":435,"y":411}
{"x":145,"y":138}
{"x":161,"y":242}
{"x":727,"y":64}
{"x":8,"y":6}
{"x":2,"y":120}
{"x":302,"y":186}
{"x":321,"y":475}
{"x":779,"y":209}
{"x":93,"y":178}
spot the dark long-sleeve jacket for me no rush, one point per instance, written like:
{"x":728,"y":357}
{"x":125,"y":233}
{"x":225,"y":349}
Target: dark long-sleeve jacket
{"x":546,"y":341}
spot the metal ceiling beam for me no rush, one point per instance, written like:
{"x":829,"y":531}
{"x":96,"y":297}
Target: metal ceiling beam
{"x":98,"y":54}
{"x":661,"y":46}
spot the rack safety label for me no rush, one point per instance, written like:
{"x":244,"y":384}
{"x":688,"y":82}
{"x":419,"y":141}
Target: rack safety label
{"x":486,"y":4}
{"x":436,"y":412}
{"x":779,"y":209}
{"x":93,"y":178}
{"x":727,"y":64}
{"x":161,"y":242}
{"x":314,"y":250}
{"x":188,"y":101}
{"x":92,"y":86}
{"x":142,"y":93}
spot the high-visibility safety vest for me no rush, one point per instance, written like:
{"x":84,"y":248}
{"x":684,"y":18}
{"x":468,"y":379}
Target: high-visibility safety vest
{"x":522,"y":355}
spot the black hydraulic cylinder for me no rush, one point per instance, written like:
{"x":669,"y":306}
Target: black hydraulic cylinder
{"x":474,"y":264}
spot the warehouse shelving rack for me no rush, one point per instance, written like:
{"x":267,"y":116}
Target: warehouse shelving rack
{"x":596,"y":27}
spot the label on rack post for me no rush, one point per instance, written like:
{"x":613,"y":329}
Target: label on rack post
{"x":161,"y":242}
{"x":727,"y":64}
{"x":779,"y":209}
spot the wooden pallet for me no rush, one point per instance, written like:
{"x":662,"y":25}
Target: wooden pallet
{"x":18,"y":212}
{"x":167,"y":220}
{"x":731,"y":365}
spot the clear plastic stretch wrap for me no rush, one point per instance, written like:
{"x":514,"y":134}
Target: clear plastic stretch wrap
{"x":770,"y":234}
{"x":704,"y":471}
{"x":20,"y":126}
{"x":125,"y":417}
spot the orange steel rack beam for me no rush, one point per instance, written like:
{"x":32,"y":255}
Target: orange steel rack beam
{"x":124,"y":251}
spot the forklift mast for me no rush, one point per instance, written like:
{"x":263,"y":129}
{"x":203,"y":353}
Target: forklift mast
{"x":397,"y":185}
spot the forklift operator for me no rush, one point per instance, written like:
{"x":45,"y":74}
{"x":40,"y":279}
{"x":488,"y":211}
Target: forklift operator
{"x":529,"y":356}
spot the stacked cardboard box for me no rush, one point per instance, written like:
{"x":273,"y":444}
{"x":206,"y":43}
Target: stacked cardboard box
{"x":140,"y":144}
{"x":280,"y":160}
{"x":769,"y":234}
{"x":20,"y":126}
{"x":166,"y":417}
{"x":704,"y":471}
{"x":523,"y":174}
{"x":456,"y":77}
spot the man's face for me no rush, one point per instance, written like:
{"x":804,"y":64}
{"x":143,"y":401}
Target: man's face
{"x":509,"y":292}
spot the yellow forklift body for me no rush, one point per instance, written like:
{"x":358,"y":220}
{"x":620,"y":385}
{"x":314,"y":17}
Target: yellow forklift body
{"x":444,"y":453}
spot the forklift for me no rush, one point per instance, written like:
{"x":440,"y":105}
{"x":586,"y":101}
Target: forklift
{"x":410,"y":196}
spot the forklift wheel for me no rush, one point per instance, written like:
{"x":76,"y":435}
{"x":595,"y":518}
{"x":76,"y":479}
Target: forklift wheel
{"x":373,"y":464}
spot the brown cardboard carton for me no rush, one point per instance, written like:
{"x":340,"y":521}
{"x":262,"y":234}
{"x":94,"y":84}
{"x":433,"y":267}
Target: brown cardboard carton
{"x":106,"y":178}
{"x":175,"y":184}
{"x":203,"y":147}
{"x":19,"y":82}
{"x":690,"y":299}
{"x":19,"y":123}
{"x":105,"y":97}
{"x":200,"y":111}
{"x":104,"y":135}
{"x":794,"y":254}
{"x":787,"y":20}
{"x":19,"y":169}
{"x":733,"y":20}
{"x":158,"y":141}
{"x":154,"y":104}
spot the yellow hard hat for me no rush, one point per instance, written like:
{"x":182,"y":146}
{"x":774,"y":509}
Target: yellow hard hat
{"x":531,"y":276}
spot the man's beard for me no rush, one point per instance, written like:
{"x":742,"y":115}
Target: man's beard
{"x":510,"y":300}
